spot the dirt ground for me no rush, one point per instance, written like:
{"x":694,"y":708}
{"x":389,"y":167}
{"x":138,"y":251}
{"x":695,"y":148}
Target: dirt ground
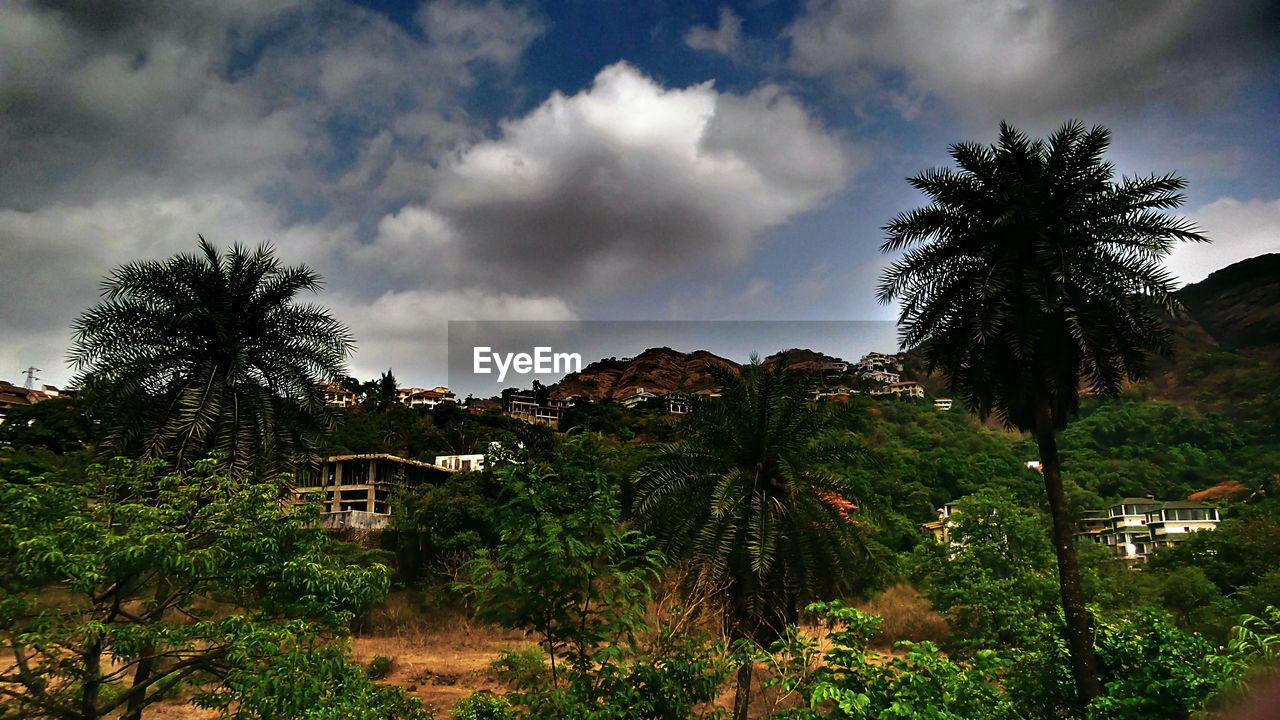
{"x":441,"y":656}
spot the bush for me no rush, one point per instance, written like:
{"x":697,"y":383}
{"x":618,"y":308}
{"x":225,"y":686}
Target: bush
{"x":379,"y":667}
{"x":482,"y":705}
{"x":519,"y":668}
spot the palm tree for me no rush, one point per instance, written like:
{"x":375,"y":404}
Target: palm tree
{"x":1032,"y":275}
{"x":209,"y":352}
{"x":745,"y":499}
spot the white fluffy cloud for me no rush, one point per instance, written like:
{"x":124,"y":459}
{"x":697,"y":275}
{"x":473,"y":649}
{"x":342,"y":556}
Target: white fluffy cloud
{"x":1032,"y":61}
{"x":1238,"y":229}
{"x":623,"y":183}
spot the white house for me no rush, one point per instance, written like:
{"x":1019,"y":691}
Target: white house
{"x":639,"y":396}
{"x":461,"y":463}
{"x":882,"y":376}
{"x":942,"y":403}
{"x":910,"y":388}
{"x":1172,"y":522}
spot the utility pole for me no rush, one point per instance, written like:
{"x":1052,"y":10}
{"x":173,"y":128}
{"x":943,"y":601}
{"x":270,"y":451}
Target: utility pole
{"x":30,"y":372}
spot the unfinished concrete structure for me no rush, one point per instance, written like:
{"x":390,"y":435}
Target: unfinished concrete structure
{"x":356,"y":489}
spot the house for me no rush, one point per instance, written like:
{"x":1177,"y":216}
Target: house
{"x":637,"y":397}
{"x":1172,"y":522}
{"x":473,"y":462}
{"x":879,"y":361}
{"x":837,"y":393}
{"x":1139,"y":526}
{"x":355,"y":490}
{"x":1092,"y":524}
{"x":17,"y":396}
{"x":882,"y":376}
{"x":943,"y":403}
{"x":910,"y":388}
{"x":337,"y":397}
{"x":1127,"y":526}
{"x":524,"y":405}
{"x":675,"y":403}
{"x":941,"y":528}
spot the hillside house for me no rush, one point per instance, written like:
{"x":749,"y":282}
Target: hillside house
{"x":473,"y":462}
{"x":1137,"y":527}
{"x":337,"y":397}
{"x":1172,"y":522}
{"x":675,"y":403}
{"x":1092,"y":524}
{"x":882,"y":376}
{"x":355,"y":490}
{"x":524,"y":405}
{"x":943,"y":403}
{"x":878,"y":361}
{"x":910,"y":388}
{"x":839,"y":393}
{"x":637,"y":397}
{"x":18,"y":396}
{"x":940,"y":529}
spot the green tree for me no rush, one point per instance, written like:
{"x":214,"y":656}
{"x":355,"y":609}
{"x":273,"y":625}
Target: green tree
{"x":118,"y":590}
{"x":850,"y":682}
{"x":1034,"y":273}
{"x":746,"y":499}
{"x":564,"y":568}
{"x":209,"y":352}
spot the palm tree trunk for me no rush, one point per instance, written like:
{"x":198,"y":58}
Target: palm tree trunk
{"x":742,"y":696}
{"x":1079,"y":637}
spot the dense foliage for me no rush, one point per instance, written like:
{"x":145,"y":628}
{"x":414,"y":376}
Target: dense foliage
{"x":129,"y":585}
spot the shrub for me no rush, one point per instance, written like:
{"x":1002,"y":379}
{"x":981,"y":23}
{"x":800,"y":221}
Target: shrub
{"x":379,"y":667}
{"x":482,"y":705}
{"x":519,"y":668}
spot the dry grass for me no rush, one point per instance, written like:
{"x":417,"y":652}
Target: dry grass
{"x":442,"y":654}
{"x":907,"y":616}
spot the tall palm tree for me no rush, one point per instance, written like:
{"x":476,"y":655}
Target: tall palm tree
{"x":1034,"y":275}
{"x":208,"y":352}
{"x":745,"y":499}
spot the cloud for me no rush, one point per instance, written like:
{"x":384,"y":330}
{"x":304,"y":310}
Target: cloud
{"x":409,"y":329}
{"x":1034,"y":61}
{"x":1238,"y":229}
{"x":131,"y":127}
{"x":725,"y":39}
{"x":617,"y":186}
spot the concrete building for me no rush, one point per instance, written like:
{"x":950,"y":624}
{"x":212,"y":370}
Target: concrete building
{"x":637,"y":397}
{"x":910,"y":388}
{"x":943,"y":403}
{"x":1172,"y":522}
{"x":524,"y":405}
{"x":461,"y":463}
{"x":355,"y":490}
{"x":1137,"y":527}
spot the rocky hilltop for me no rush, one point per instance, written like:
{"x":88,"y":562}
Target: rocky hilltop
{"x":658,"y":370}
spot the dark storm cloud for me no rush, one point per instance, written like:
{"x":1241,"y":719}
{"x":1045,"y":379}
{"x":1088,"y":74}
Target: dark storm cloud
{"x":1031,"y":61}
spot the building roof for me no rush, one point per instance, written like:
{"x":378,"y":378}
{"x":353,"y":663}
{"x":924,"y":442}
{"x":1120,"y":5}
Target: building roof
{"x":1136,"y":501}
{"x":385,"y":456}
{"x":904,"y":383}
{"x":1185,"y":504}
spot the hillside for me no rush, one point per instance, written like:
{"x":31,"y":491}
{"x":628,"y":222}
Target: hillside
{"x":659,"y":370}
{"x":1239,"y":305}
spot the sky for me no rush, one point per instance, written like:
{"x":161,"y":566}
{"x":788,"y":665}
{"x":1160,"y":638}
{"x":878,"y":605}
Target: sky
{"x":581,"y":159}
